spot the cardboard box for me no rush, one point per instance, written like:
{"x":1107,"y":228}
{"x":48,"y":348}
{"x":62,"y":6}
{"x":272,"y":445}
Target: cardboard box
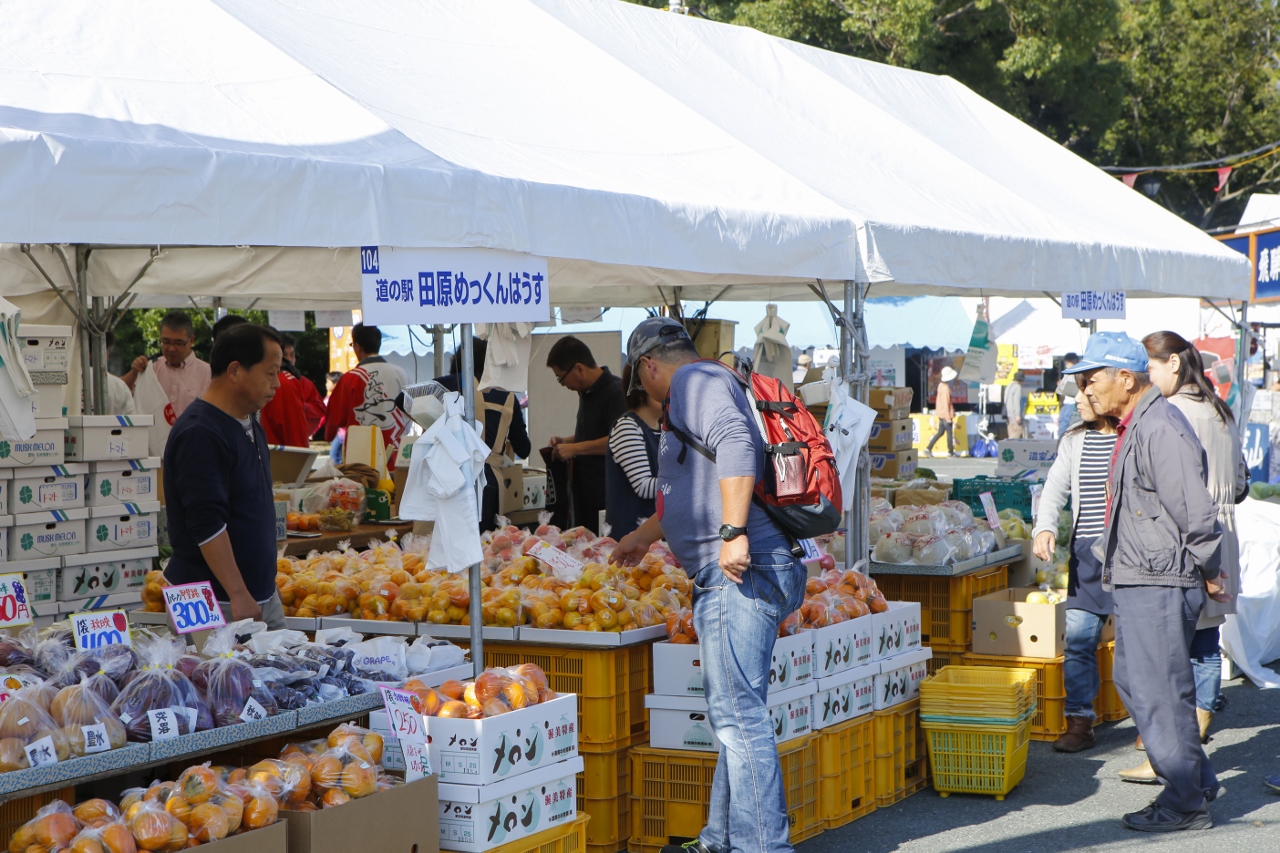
{"x":6,"y":521}
{"x":46,"y":447}
{"x":463,"y":750}
{"x":510,"y":489}
{"x":890,"y":436}
{"x":846,"y":696}
{"x":889,"y":399}
{"x":269,"y":839}
{"x":1004,"y":624}
{"x":681,"y":722}
{"x":677,"y":669}
{"x":45,"y":348}
{"x":1018,"y":456}
{"x":843,"y":646}
{"x":92,"y":438}
{"x":898,"y":466}
{"x":48,"y":487}
{"x":392,"y":753}
{"x":397,"y":820}
{"x":49,"y":401}
{"x":89,"y":575}
{"x":792,"y":662}
{"x":35,"y":535}
{"x":41,"y":577}
{"x":920,"y":497}
{"x":6,"y":480}
{"x":126,"y":526}
{"x":899,"y":678}
{"x":291,"y":466}
{"x":124,"y":481}
{"x":478,"y":818}
{"x":895,"y":631}
{"x":535,"y":489}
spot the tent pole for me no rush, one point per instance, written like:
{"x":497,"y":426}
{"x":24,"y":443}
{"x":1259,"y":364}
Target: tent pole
{"x":468,"y":386}
{"x":862,"y":493}
{"x":437,"y":347}
{"x":98,"y":314}
{"x":1242,"y":359}
{"x":85,"y":318}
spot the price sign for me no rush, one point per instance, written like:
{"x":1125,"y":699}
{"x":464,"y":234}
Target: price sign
{"x":95,"y":738}
{"x":103,"y":628}
{"x":989,"y":506}
{"x":15,"y":607}
{"x":192,"y":607}
{"x":164,"y":724}
{"x":559,"y":561}
{"x":42,"y":752}
{"x":404,"y":715}
{"x":252,"y":713}
{"x":417,"y":763}
{"x":812,"y":553}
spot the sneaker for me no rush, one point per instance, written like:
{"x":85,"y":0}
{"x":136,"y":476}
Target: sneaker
{"x":694,"y":846}
{"x":1156,"y":818}
{"x":1273,"y":782}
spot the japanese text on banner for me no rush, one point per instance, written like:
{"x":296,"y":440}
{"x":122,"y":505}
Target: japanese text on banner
{"x":406,"y":286}
{"x":103,"y":628}
{"x":15,"y":607}
{"x":1094,"y":305}
{"x":192,"y":607}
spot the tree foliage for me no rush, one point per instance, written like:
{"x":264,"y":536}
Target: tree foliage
{"x":1118,"y":82}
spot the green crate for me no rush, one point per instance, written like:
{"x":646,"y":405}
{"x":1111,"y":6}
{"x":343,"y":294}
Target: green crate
{"x":1007,"y":493}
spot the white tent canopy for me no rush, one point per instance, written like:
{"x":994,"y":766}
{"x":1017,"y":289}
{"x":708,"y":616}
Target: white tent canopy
{"x":639,"y":151}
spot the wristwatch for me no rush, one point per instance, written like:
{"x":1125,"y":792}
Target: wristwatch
{"x":728,"y":532}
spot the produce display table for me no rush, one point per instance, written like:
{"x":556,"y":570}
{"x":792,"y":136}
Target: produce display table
{"x":951,"y":570}
{"x":359,"y":536}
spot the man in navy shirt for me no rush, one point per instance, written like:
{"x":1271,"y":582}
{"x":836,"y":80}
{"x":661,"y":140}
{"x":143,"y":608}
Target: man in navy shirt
{"x":217,"y":479}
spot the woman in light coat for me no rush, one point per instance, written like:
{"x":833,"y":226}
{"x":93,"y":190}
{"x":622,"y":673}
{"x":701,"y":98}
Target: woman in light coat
{"x":1079,"y":473}
{"x":1177,"y":370}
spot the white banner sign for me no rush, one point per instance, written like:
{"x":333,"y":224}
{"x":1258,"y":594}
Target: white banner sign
{"x":288,"y":321}
{"x":404,"y":286}
{"x":1094,"y":305}
{"x":333,"y":319}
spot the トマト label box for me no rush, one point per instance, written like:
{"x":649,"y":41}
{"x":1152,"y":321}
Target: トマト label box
{"x":45,"y":348}
{"x":478,"y":752}
{"x":55,"y":533}
{"x":842,"y":646}
{"x":124,"y":481}
{"x":48,"y":487}
{"x":845,"y":696}
{"x":94,"y":438}
{"x":49,"y":401}
{"x":42,"y":579}
{"x":683,"y":722}
{"x":129,"y":525}
{"x":900,"y":677}
{"x":477,"y":818}
{"x":43,"y":448}
{"x":89,"y":575}
{"x":896,"y":630}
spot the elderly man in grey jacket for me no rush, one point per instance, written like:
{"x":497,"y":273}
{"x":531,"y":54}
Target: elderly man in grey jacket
{"x":1160,"y":554}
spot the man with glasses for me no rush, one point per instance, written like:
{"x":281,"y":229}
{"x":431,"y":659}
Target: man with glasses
{"x":182,"y":375}
{"x":601,"y":402}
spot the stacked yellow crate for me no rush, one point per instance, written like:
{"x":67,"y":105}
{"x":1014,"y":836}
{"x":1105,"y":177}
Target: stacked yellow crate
{"x":946,"y":607}
{"x":846,"y":760}
{"x":901,"y":753}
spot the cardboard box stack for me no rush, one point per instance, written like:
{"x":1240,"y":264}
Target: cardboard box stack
{"x":892,"y":455}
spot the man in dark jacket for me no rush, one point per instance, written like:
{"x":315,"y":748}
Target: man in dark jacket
{"x":1160,"y":554}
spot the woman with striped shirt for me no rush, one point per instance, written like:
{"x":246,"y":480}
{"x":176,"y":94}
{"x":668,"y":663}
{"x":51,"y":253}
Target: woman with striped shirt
{"x":1080,"y":473}
{"x":631,"y":462}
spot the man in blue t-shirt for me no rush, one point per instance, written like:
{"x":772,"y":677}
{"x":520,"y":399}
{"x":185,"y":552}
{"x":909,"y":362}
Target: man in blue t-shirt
{"x":746,"y":580}
{"x":217,"y":480}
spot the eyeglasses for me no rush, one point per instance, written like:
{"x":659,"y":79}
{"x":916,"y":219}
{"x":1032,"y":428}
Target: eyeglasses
{"x":171,"y":342}
{"x":563,"y":376}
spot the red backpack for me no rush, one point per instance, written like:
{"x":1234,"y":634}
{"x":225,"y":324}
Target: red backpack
{"x":801,"y":486}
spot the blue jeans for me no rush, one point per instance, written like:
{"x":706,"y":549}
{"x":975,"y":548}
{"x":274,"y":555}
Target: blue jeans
{"x":1206,"y":665}
{"x":737,"y":625}
{"x":1080,"y":666}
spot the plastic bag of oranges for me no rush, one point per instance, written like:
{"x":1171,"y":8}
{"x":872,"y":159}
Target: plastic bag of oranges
{"x":25,"y":720}
{"x":344,"y":773}
{"x":52,"y":829}
{"x":154,"y":828}
{"x":680,"y":627}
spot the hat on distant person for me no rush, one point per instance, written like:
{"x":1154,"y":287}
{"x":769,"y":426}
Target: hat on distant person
{"x":949,"y":374}
{"x":1111,"y":349}
{"x":651,"y":333}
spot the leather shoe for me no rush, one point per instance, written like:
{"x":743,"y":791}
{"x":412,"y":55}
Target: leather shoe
{"x":1143,"y":774}
{"x":1205,"y":719}
{"x":1138,"y":744}
{"x":1156,"y":818}
{"x":1272,"y":782}
{"x":1078,"y":736}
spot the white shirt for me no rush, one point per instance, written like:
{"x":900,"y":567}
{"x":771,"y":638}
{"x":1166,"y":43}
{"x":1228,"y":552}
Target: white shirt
{"x":119,"y":397}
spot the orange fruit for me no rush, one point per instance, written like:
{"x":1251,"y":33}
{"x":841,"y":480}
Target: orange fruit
{"x":178,"y":807}
{"x":152,"y":829}
{"x":94,"y":809}
{"x":208,"y":823}
{"x":117,"y":838}
{"x":326,"y":772}
{"x":453,"y":708}
{"x":198,"y":784}
{"x":86,"y":844}
{"x":56,"y":829}
{"x":359,"y":779}
{"x":260,"y":811}
{"x":334,"y":798}
{"x":452,"y":689}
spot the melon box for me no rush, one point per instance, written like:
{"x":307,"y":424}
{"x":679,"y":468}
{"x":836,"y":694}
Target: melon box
{"x":463,"y":750}
{"x":93,"y":574}
{"x":845,"y":696}
{"x":682,"y":722}
{"x":478,"y":818}
{"x":124,"y":481}
{"x":52,"y":533}
{"x":129,"y":525}
{"x":43,"y":448}
{"x":48,"y":487}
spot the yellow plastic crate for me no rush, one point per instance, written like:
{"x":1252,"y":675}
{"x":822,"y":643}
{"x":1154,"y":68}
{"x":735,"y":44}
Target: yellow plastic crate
{"x":610,"y":683}
{"x":977,"y":759}
{"x":568,"y":838}
{"x":609,"y":825}
{"x":671,"y":792}
{"x":946,"y":603}
{"x":1050,"y":719}
{"x":1107,"y":660}
{"x":901,"y":759}
{"x":605,"y":774}
{"x":847,"y":765}
{"x":1108,"y":705}
{"x":978,"y":691}
{"x":945,"y":654}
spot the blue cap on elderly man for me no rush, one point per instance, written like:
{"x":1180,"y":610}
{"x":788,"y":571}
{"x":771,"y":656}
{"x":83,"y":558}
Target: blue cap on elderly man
{"x":1111,"y":349}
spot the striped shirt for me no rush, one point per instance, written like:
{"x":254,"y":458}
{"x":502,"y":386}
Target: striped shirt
{"x":1095,"y":468}
{"x":626,"y":441}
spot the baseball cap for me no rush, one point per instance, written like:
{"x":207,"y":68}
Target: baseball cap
{"x":651,"y":332}
{"x":1111,"y":349}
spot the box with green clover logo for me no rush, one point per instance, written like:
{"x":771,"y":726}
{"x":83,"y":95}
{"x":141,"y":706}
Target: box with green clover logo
{"x":127,"y":525}
{"x":6,"y":481}
{"x":41,"y":578}
{"x":124,"y":481}
{"x":47,"y":487}
{"x":53,"y":533}
{"x":43,"y":448}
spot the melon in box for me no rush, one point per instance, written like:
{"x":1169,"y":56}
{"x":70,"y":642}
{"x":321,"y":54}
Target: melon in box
{"x":792,"y":662}
{"x":88,"y":575}
{"x":48,"y":487}
{"x":54,"y":533}
{"x":41,"y":577}
{"x":43,"y":448}
{"x":124,"y":481}
{"x":896,"y":630}
{"x":682,"y":722}
{"x":842,"y":646}
{"x":477,"y":752}
{"x":116,"y":528}
{"x":845,"y":696}
{"x":93,"y":438}
{"x":900,"y":677}
{"x":478,"y":818}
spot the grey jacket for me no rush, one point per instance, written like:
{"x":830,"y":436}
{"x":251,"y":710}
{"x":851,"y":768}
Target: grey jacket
{"x":1162,"y":528}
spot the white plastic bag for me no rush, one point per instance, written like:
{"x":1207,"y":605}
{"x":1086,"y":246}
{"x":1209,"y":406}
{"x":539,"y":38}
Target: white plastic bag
{"x":150,"y":399}
{"x":426,"y":654}
{"x":381,"y":659}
